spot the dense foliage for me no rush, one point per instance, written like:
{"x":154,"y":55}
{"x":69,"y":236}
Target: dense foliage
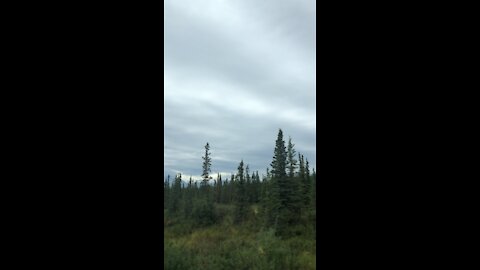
{"x":243,"y":222}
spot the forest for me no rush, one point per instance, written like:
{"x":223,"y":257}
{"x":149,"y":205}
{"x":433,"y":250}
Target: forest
{"x":246,"y":221}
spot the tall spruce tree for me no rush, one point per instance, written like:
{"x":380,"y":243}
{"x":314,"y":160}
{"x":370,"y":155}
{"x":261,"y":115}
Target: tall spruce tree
{"x":276,"y":191}
{"x":284,"y":199}
{"x":307,"y":185}
{"x":208,"y":191}
{"x":207,"y":163}
{"x":314,"y":188}
{"x":203,"y":213}
{"x":294,"y":185}
{"x":223,"y":194}
{"x":188,"y":199}
{"x":231,"y":193}
{"x":292,"y":163}
{"x":218,"y":188}
{"x":248,"y":184}
{"x":301,"y":166}
{"x":279,"y":161}
{"x":241,"y":196}
{"x":175,"y":195}
{"x":166,"y":192}
{"x":256,"y":188}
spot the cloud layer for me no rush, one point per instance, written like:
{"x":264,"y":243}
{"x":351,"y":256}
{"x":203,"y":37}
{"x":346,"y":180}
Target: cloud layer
{"x":235,"y":72}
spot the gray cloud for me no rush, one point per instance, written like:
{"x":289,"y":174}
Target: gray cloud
{"x":235,"y":72}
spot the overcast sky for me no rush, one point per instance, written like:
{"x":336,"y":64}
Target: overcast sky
{"x":235,"y":72}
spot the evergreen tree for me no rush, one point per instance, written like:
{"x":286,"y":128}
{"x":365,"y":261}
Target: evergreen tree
{"x":314,"y":201}
{"x":302,"y":176}
{"x":189,"y":199}
{"x":264,"y":199}
{"x":207,"y":163}
{"x":195,"y":187}
{"x":241,"y":196}
{"x":218,"y":188}
{"x":175,"y":195}
{"x":307,"y":186}
{"x":203,"y":212}
{"x":224,"y":192}
{"x":292,"y":163}
{"x":284,"y":200}
{"x":279,"y":159}
{"x":301,"y":168}
{"x":231,"y":189}
{"x":314,"y":189}
{"x":277,"y":186}
{"x":294,"y":197}
{"x":256,"y":188}
{"x":248,"y":186}
{"x":166,"y":192}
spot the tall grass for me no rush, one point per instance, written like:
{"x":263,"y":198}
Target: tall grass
{"x":229,"y":246}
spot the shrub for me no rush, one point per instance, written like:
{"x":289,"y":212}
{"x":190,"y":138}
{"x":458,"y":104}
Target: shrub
{"x":203,"y":213}
{"x":175,"y":258}
{"x":180,"y":229}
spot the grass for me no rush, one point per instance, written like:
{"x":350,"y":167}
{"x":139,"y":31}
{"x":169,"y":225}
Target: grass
{"x":229,"y":246}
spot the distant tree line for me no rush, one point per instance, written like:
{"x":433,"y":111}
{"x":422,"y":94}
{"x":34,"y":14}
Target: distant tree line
{"x":284,"y":198}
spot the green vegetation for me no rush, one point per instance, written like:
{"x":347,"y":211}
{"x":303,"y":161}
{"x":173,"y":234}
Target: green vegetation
{"x":225,"y":245}
{"x":244,"y":223}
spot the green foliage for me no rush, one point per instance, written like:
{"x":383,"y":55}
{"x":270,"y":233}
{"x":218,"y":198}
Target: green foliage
{"x":237,"y":247}
{"x":189,"y":194}
{"x":203,"y":213}
{"x":291,"y":162}
{"x":175,"y":195}
{"x":207,"y":163}
{"x":283,"y":203}
{"x":174,"y":258}
{"x":181,"y":228}
{"x":241,"y":196}
{"x":224,"y":212}
{"x":244,"y":223}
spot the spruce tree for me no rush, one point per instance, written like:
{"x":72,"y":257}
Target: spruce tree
{"x":264,"y":200}
{"x":284,"y":202}
{"x":189,"y":199}
{"x":314,"y":189}
{"x":256,"y":188}
{"x":195,"y":187}
{"x":219,"y":188}
{"x":307,"y":185}
{"x":203,"y":212}
{"x":241,"y":196}
{"x":276,"y":190}
{"x":231,"y":193}
{"x":302,"y":177}
{"x":207,"y":163}
{"x":292,"y":163}
{"x":301,"y":167}
{"x":294,"y":192}
{"x":175,"y":196}
{"x":279,"y":158}
{"x":314,"y":200}
{"x":248,"y":184}
{"x":166,"y":192}
{"x":224,"y":192}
